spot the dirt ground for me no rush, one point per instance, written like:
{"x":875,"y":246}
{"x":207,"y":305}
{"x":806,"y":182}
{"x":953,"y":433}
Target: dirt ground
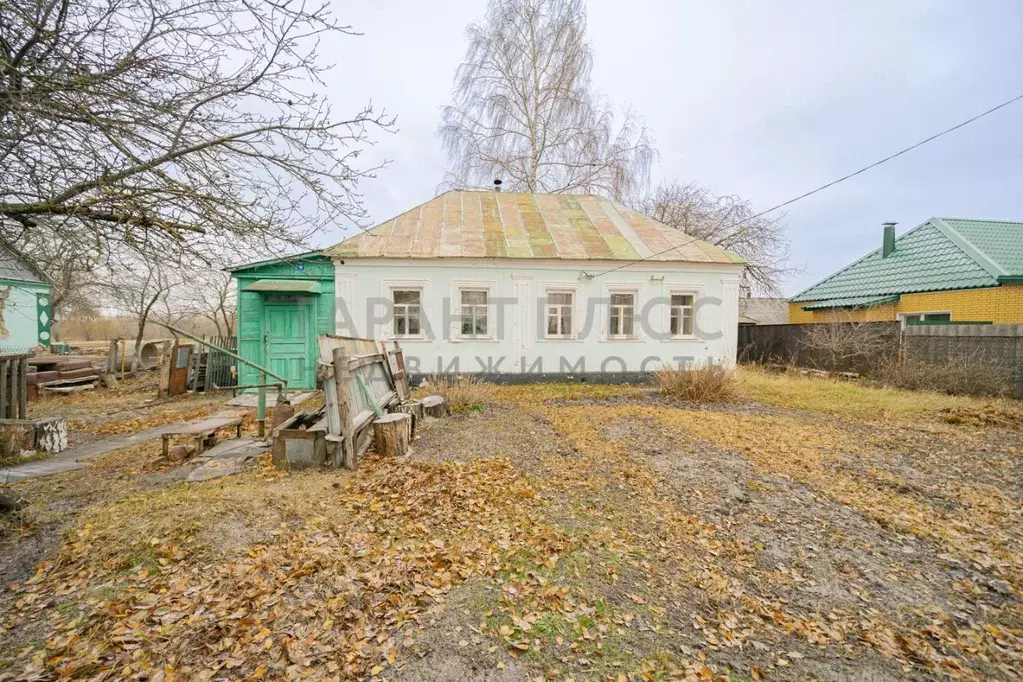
{"x":813,"y":531}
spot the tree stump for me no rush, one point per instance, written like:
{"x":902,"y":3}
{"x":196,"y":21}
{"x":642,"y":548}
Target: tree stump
{"x":436,"y":406}
{"x":51,"y":434}
{"x":414,"y":408}
{"x":391,"y":434}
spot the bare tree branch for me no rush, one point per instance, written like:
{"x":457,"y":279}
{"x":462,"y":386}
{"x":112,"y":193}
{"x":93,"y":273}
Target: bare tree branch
{"x":728,"y":222}
{"x":173,"y":125}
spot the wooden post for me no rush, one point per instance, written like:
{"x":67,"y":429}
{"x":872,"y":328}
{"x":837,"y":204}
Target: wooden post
{"x":165,"y":370}
{"x":391,"y":434}
{"x":342,"y":382}
{"x":436,"y":406}
{"x":401,"y":376}
{"x":112,"y":357}
{"x":23,"y":388}
{"x":5,"y":398}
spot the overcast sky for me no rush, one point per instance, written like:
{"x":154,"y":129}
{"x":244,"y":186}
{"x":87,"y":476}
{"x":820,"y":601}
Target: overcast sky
{"x":761,"y":99}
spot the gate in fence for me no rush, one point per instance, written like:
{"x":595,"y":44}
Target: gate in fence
{"x":213,"y":369}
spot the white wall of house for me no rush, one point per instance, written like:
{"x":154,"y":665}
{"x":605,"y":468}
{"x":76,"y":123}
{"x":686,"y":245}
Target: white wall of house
{"x":517,"y":294}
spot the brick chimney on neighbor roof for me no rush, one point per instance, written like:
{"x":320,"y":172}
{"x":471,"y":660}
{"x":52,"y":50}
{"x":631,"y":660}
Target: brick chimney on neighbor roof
{"x":888,"y":245}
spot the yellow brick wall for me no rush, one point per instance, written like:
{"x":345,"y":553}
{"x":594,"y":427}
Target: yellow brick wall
{"x":1000,"y":305}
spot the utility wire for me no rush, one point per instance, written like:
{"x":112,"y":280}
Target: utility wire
{"x":832,"y":183}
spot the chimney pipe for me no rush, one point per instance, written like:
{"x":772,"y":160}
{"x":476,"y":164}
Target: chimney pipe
{"x":888,"y":244}
{"x":497,"y":184}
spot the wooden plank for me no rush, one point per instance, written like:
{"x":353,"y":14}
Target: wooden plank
{"x":401,"y":376}
{"x":344,"y":411}
{"x":204,"y":426}
{"x":362,"y":360}
{"x":23,"y":388}
{"x":5,"y":397}
{"x":70,"y":382}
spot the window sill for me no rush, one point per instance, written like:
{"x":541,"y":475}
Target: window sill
{"x":471,"y":337}
{"x":682,"y":337}
{"x":406,"y":337}
{"x":614,"y":339}
{"x":559,"y":338}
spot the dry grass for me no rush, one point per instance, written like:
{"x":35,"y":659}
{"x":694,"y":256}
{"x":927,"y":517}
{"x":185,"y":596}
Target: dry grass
{"x":840,"y":396}
{"x":464,"y":393}
{"x":705,"y":384}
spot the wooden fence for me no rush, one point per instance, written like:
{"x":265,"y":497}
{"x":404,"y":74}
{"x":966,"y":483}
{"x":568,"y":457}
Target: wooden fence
{"x":14,"y":386}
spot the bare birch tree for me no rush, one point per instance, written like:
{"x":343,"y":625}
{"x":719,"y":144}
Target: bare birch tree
{"x":729,"y":222}
{"x":524,"y":112}
{"x":169,"y":125}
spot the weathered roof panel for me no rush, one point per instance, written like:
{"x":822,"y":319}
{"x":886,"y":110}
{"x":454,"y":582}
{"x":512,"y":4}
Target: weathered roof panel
{"x":478,"y":224}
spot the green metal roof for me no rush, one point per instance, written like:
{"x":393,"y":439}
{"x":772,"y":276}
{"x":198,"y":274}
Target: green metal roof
{"x":852,"y":302}
{"x":940,"y":254}
{"x":284,"y":286}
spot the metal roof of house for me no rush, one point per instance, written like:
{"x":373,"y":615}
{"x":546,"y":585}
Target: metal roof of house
{"x":938,"y":255}
{"x":486,"y":224}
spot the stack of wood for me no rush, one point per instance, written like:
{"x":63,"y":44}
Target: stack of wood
{"x":61,"y":374}
{"x":368,"y":399}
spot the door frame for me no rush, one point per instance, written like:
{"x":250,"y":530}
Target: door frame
{"x":310,"y":302}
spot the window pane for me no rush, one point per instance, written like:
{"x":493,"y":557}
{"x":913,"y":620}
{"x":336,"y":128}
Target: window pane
{"x":621,"y":299}
{"x":552,"y":321}
{"x":466,"y":320}
{"x":938,"y":317}
{"x":561,"y":299}
{"x":676,"y":319}
{"x":681,"y":299}
{"x":481,"y":320}
{"x":413,"y":320}
{"x":687,"y":322}
{"x":399,"y":325}
{"x":406,"y":296}
{"x":615,"y":321}
{"x":627,"y":325}
{"x":566,"y":321}
{"x":477,"y":297}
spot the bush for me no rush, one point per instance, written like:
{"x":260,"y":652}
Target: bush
{"x":959,"y":375}
{"x":704,"y":384}
{"x":464,"y":393}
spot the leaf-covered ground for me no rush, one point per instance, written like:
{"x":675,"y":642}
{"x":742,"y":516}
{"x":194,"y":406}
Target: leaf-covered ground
{"x":817,"y":531}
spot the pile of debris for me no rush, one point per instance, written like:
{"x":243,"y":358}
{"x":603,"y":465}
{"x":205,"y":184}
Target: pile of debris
{"x":60,"y":374}
{"x":367,"y":402}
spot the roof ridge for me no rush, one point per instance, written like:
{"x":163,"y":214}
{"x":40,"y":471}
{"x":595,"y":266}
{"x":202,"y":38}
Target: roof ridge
{"x":983,"y":220}
{"x":990,"y":265}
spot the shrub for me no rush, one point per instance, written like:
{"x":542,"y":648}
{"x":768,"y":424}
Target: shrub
{"x":703,"y":384}
{"x":959,"y":375}
{"x":464,"y":393}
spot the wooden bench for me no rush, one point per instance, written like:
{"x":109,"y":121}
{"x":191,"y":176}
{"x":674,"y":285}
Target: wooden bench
{"x":202,"y":432}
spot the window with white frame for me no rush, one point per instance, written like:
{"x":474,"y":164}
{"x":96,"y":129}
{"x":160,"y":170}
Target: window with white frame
{"x":622,"y":316}
{"x":923,"y":318}
{"x":407,"y":311}
{"x":682,"y":307}
{"x":474,"y":312}
{"x":559,"y":313}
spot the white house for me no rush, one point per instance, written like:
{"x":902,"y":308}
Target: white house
{"x":541,"y":284}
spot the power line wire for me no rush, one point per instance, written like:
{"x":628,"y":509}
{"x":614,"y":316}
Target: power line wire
{"x":832,"y":183}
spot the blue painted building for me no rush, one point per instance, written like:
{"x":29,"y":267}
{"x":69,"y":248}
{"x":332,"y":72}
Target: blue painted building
{"x":25,"y":318}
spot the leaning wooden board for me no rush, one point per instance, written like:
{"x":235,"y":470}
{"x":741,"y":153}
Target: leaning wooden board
{"x":201,"y":430}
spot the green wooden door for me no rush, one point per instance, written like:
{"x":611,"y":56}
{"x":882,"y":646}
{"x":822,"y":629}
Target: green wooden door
{"x":288,"y":342}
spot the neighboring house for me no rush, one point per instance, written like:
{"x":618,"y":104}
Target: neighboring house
{"x":498,"y":282}
{"x":763,"y":310}
{"x":282,"y":305}
{"x":24,"y":304}
{"x":945,"y":270}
